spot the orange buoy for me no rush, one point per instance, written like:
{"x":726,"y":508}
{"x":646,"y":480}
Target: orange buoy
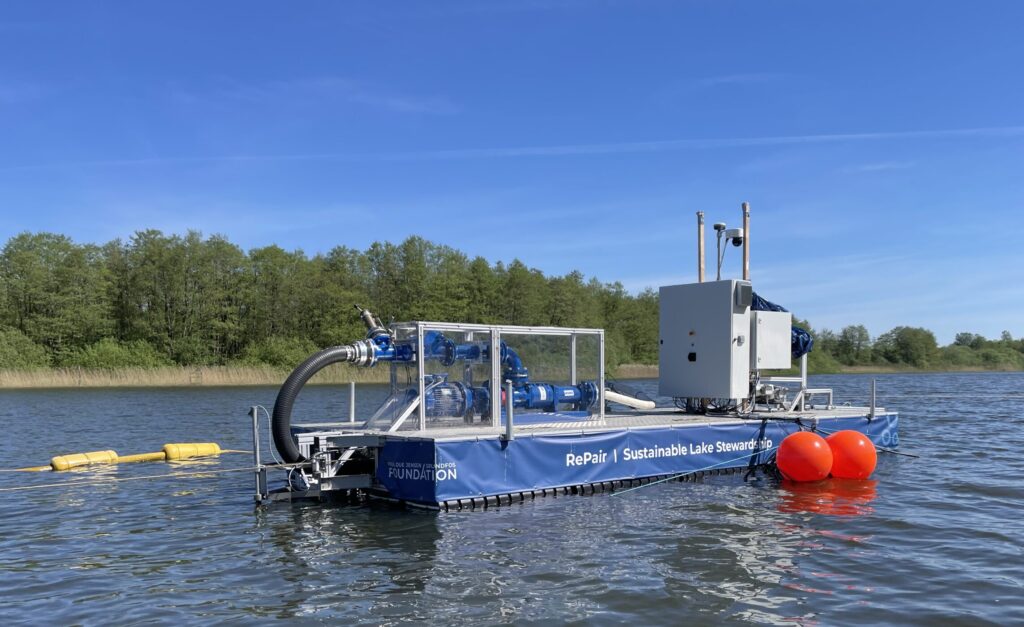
{"x":804,"y":456}
{"x":853,"y":455}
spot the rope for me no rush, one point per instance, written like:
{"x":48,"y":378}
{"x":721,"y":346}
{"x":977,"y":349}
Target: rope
{"x":691,"y":472}
{"x":123,"y":459}
{"x":110,"y":480}
{"x":270,"y":432}
{"x":799,"y":425}
{"x":828,"y":432}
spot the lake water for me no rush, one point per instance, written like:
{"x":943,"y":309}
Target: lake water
{"x":939,"y":538}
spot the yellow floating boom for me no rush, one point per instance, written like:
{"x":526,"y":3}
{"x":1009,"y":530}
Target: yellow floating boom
{"x":142,"y":457}
{"x":170,"y":452}
{"x":77,"y":460}
{"x":190,"y":450}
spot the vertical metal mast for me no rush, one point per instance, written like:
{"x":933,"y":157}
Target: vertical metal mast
{"x":700,"y":246}
{"x":746,"y":241}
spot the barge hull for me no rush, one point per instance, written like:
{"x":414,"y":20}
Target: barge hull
{"x":449,"y":471}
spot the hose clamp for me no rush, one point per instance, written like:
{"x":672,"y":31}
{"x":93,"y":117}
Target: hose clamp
{"x":366,"y":353}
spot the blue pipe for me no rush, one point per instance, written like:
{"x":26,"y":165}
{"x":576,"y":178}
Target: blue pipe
{"x":526,"y":394}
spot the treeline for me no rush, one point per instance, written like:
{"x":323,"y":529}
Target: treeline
{"x":912,"y":347}
{"x":160,"y":299}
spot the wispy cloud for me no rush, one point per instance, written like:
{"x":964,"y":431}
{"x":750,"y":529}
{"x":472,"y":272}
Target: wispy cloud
{"x":320,"y":89}
{"x":880,"y":166}
{"x":435,"y":10}
{"x":564,"y":150}
{"x":735,"y":142}
{"x":741,"y":79}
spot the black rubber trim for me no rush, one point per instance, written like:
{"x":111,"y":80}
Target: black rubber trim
{"x":281,"y":423}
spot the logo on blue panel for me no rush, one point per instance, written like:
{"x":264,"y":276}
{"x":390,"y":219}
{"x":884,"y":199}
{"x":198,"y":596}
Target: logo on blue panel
{"x":422,"y":471}
{"x":631,"y":454}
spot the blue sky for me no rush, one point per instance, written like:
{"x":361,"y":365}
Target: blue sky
{"x":880,"y":144}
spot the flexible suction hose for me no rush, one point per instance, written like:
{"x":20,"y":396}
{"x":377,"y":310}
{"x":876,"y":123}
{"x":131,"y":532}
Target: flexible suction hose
{"x":628,"y":401}
{"x":282,"y":419}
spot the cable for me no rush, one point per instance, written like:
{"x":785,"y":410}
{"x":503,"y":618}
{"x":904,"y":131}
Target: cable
{"x":691,"y":472}
{"x":816,"y":427}
{"x":270,"y":431}
{"x":108,"y":480}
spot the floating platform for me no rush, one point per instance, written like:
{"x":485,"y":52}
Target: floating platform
{"x":476,"y":466}
{"x":468,"y":424}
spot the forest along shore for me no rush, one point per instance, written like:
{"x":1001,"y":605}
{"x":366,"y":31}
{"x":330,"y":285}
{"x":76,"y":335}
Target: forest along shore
{"x":195,"y":308}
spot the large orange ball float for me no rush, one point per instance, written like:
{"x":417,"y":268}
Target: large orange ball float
{"x":853,"y":455}
{"x":804,"y":456}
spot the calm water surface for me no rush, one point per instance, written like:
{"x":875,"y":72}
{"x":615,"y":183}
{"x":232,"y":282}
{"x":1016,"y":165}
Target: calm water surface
{"x":939,"y":538}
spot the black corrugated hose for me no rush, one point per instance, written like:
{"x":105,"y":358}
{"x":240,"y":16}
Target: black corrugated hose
{"x":282,"y":419}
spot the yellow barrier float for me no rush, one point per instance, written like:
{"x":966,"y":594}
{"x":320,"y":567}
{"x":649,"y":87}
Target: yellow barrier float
{"x":77,"y":460}
{"x":190,"y":450}
{"x":170,"y":452}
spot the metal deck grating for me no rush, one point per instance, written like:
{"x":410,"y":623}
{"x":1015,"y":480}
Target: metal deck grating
{"x":660,"y":417}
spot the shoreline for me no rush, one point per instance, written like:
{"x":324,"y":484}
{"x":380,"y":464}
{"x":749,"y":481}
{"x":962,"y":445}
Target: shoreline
{"x":338,"y":374}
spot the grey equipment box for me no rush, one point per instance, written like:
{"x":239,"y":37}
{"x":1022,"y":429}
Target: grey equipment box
{"x":770,"y":340}
{"x":704,"y":349}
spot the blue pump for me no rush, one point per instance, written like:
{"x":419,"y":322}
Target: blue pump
{"x":444,"y":398}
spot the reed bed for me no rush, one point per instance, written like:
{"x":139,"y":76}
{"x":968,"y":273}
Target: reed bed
{"x":213,"y":376}
{"x":636,"y":371}
{"x":179,"y":376}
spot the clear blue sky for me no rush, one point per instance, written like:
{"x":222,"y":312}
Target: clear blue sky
{"x":880,"y":144}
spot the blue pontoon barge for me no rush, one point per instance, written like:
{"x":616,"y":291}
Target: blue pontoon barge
{"x":487,"y":415}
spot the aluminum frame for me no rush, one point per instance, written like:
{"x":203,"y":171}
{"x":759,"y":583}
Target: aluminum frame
{"x":495,"y":332}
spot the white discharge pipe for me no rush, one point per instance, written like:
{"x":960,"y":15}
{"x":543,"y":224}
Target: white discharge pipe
{"x":628,"y":401}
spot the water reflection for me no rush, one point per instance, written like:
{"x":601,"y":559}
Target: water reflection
{"x":342,"y":559}
{"x":831,"y":497}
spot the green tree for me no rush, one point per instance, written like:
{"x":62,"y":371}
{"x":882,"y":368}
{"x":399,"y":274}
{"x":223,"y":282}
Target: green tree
{"x":908,"y":345}
{"x":523,"y":295}
{"x":54,"y":291}
{"x":111,"y":354}
{"x":279,"y":283}
{"x":853,"y":346}
{"x":342,"y":282}
{"x":385,"y":274}
{"x":278,"y":351}
{"x":19,"y":352}
{"x":222,"y":304}
{"x":571,"y":303}
{"x":825,"y":341}
{"x":482,"y":287}
{"x":448,"y":284}
{"x":414,"y":300}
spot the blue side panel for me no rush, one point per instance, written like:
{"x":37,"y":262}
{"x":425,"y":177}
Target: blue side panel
{"x":490,"y":467}
{"x":884,"y":430}
{"x":406,"y":469}
{"x":475,"y":468}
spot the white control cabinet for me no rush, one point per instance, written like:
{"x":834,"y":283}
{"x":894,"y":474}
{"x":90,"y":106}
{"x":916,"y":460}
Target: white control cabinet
{"x":771,"y":337}
{"x":704,"y":346}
